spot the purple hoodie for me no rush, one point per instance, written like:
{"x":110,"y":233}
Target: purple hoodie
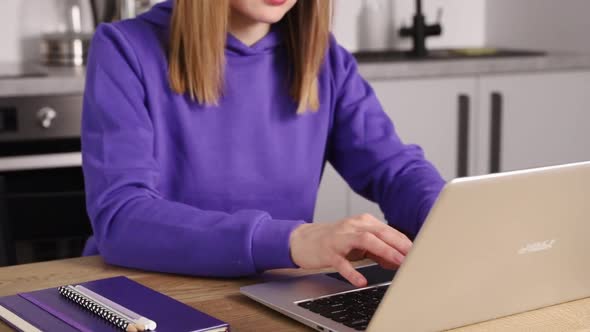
{"x":175,"y":186}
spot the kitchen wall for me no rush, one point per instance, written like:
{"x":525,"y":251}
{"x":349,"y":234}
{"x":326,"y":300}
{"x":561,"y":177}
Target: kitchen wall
{"x":524,"y":24}
{"x":463,"y":22}
{"x":9,"y":32}
{"x":22,"y":22}
{"x":541,"y":24}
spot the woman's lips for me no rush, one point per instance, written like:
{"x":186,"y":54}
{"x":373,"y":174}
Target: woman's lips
{"x":275,"y":2}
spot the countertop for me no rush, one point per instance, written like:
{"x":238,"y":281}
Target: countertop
{"x":474,"y":67}
{"x":57,"y":81}
{"x":71,"y":80}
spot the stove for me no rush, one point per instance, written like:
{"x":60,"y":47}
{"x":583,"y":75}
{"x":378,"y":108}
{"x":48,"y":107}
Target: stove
{"x":42,"y":210}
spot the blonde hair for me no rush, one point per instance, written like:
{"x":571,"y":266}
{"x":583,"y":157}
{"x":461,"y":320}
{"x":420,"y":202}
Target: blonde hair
{"x":197,"y":48}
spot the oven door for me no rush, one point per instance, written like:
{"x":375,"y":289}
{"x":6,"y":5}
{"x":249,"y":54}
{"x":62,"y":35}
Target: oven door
{"x":42,"y":208}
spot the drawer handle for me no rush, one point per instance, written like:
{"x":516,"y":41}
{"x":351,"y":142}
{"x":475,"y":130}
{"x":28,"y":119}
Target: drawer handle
{"x":463,"y":136}
{"x":47,"y":161}
{"x":496,"y":133}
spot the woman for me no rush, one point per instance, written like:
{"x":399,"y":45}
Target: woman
{"x":206,"y":128}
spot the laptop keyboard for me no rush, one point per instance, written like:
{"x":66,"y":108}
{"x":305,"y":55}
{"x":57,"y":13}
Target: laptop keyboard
{"x":353,"y":309}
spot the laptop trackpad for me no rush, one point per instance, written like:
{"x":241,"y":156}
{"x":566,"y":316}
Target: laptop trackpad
{"x":375,"y":274}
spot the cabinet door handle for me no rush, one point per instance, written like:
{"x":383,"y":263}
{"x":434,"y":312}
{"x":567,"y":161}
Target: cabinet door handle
{"x":463,"y":136}
{"x":496,"y":132}
{"x":56,"y":160}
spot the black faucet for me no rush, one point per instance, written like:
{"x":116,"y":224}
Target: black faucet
{"x":420,"y":31}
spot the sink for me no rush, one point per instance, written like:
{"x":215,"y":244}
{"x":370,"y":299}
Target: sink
{"x":443,"y":54}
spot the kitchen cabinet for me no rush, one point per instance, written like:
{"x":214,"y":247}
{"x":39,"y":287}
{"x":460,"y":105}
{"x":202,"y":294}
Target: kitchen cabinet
{"x":481,"y":124}
{"x":541,"y":120}
{"x":429,"y":113}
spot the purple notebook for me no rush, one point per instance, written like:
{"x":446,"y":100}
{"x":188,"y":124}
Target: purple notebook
{"x":49,"y":311}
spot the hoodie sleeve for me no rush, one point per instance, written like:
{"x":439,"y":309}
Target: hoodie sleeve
{"x":133,"y":225}
{"x":365,"y":149}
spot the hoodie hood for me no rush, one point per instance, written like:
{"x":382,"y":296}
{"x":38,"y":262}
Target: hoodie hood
{"x":161,"y":15}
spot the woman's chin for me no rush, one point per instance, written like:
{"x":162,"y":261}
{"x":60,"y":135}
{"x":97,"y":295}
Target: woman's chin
{"x":271,"y":16}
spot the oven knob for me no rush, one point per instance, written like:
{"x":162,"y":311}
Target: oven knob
{"x":46,"y":115}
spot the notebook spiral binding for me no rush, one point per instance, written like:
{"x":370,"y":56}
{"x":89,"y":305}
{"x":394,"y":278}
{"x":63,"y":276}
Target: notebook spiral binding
{"x":94,"y":307}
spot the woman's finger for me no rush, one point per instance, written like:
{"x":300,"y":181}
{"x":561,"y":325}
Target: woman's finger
{"x":383,"y":263}
{"x":343,"y":266}
{"x":374,"y":245}
{"x":388,"y":234}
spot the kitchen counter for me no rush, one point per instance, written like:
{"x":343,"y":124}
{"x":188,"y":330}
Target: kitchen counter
{"x":473,"y":67}
{"x":71,"y":80}
{"x":58,"y":81}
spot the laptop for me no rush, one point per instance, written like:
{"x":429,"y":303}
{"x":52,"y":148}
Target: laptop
{"x":492,"y":246}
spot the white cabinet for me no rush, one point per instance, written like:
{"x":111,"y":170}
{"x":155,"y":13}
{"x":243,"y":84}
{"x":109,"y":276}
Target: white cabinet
{"x":542,"y":120}
{"x":475,"y":125}
{"x":428,"y":113}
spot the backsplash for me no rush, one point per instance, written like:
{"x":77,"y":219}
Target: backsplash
{"x":463,"y":22}
{"x":23,"y":21}
{"x":540,"y":24}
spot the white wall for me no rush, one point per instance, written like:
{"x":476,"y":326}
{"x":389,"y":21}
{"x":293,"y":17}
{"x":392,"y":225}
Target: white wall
{"x":463,"y":22}
{"x":9,"y":31}
{"x":21,"y":24}
{"x":541,"y":24}
{"x":22,"y":21}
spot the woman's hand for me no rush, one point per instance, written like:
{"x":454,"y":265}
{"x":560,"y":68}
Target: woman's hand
{"x":336,"y":244}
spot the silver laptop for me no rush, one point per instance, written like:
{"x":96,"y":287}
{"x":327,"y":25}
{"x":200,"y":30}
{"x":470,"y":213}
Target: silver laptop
{"x":492,"y":246}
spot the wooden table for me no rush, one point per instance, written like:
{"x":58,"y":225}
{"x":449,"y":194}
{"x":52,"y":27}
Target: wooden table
{"x":221,"y":298}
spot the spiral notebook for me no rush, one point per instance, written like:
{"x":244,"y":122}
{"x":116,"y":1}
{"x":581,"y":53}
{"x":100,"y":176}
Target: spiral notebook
{"x":48,"y":310}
